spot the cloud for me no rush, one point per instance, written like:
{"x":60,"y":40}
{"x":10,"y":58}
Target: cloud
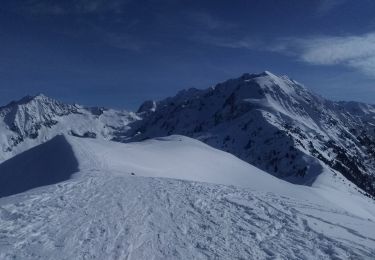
{"x":356,"y":52}
{"x":353,"y":51}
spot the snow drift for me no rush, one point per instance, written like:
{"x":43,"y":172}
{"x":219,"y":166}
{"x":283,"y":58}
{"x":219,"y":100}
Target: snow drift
{"x":177,"y":157}
{"x":45,"y":164}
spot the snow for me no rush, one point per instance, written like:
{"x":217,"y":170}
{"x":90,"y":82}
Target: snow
{"x":175,"y":157}
{"x":48,"y":163}
{"x":341,"y":193}
{"x":70,"y":190}
{"x":224,"y":208}
{"x":34,"y":120}
{"x":273,"y":123}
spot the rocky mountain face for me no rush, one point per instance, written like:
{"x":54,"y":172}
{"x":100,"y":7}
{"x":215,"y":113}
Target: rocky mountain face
{"x":273,"y":123}
{"x":28,"y":115}
{"x":269,"y":121}
{"x":35,"y":119}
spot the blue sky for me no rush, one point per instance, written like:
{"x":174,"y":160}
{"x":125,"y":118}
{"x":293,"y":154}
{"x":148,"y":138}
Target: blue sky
{"x":118,"y":53}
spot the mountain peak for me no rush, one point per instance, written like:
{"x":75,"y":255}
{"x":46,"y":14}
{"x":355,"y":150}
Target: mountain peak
{"x":248,"y":76}
{"x":267,"y":73}
{"x":40,"y":98}
{"x":27,"y":115}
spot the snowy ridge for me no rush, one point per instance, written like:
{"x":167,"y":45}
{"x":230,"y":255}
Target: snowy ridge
{"x":274,"y":123}
{"x":70,"y":190}
{"x":104,"y":211}
{"x":270,"y":121}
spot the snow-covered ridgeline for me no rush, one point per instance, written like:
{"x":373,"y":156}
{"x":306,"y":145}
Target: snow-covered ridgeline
{"x":274,"y":123}
{"x":36,"y":119}
{"x":270,"y":121}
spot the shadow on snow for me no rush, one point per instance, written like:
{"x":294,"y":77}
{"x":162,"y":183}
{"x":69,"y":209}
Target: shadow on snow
{"x":45,"y":164}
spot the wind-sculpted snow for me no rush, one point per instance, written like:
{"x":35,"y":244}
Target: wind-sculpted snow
{"x":45,"y":164}
{"x":177,"y":157}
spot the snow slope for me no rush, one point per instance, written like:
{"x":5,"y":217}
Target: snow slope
{"x":104,"y":212}
{"x":176,"y":157}
{"x":274,"y":123}
{"x":33,"y":120}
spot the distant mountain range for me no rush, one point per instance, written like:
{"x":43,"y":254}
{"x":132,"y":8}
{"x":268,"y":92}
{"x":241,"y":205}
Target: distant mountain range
{"x":269,"y":121}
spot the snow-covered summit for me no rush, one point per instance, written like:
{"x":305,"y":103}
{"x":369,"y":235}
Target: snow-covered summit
{"x":274,"y":123}
{"x":35,"y":119}
{"x":30,"y":113}
{"x":27,"y":99}
{"x":36,"y":100}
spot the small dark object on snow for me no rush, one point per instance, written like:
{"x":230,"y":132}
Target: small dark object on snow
{"x":132,"y":173}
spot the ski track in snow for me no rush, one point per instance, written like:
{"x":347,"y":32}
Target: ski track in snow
{"x":105,"y":216}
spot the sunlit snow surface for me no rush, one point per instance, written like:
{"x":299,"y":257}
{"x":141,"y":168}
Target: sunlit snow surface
{"x":106,"y":212}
